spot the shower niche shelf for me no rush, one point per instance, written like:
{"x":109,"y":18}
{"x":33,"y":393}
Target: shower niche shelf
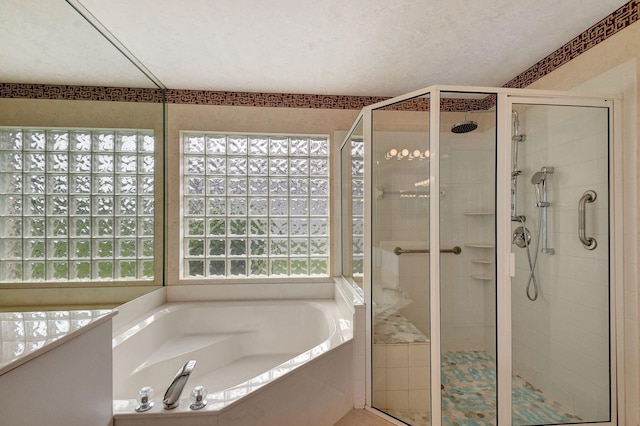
{"x":482,"y":261}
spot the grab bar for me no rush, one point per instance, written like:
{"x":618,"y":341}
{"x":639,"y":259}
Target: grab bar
{"x":398,"y":251}
{"x":589,"y":243}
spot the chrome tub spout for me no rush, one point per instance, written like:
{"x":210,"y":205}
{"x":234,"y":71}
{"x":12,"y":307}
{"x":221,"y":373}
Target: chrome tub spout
{"x":172,"y":395}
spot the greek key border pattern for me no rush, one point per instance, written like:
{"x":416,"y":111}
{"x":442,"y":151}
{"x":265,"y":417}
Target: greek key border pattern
{"x":79,"y":93}
{"x":626,"y":15}
{"x":272,"y":100}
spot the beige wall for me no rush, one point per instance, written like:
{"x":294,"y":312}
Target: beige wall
{"x":240,"y":119}
{"x":63,"y":113}
{"x":611,"y":67}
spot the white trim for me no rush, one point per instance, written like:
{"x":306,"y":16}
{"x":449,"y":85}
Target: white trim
{"x":336,"y":261}
{"x":616,"y":261}
{"x":368,"y":251}
{"x":434,"y":258}
{"x":353,"y":128}
{"x":561,"y":101}
{"x":489,"y":90}
{"x":266,"y":134}
{"x":504,"y":362}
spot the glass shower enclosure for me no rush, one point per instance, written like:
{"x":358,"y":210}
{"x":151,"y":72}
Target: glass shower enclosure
{"x":479,"y":222}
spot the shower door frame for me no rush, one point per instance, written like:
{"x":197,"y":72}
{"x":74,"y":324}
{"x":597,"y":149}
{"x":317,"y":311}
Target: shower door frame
{"x":505,"y":265}
{"x":505,"y":271}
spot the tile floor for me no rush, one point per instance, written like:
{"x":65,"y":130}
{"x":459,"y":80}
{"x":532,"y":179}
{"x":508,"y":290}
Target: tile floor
{"x":362,"y":418}
{"x":468,"y":383}
{"x":469,"y":394}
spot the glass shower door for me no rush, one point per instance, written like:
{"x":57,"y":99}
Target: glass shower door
{"x":560,"y":295}
{"x":400,"y":261}
{"x":467,"y":151}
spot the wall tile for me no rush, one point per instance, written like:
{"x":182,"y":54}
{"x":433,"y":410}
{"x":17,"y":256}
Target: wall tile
{"x":397,"y":356}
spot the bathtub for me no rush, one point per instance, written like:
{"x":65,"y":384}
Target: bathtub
{"x":241,"y":348}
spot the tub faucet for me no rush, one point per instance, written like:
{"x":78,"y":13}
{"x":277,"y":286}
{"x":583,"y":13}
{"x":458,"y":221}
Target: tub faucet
{"x":172,"y":395}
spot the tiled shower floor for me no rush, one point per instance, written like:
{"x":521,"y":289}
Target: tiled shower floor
{"x":469,"y":396}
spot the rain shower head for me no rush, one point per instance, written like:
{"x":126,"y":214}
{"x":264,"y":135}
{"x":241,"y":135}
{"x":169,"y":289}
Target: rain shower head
{"x":464,"y":127}
{"x":469,"y":126}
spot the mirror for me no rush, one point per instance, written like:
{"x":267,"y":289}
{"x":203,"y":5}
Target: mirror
{"x":352,"y":193}
{"x":50,"y":42}
{"x":60,"y":71}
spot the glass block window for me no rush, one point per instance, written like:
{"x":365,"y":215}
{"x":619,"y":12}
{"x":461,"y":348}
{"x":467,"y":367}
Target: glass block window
{"x":76,"y":205}
{"x":357,"y":208}
{"x":255,"y":206}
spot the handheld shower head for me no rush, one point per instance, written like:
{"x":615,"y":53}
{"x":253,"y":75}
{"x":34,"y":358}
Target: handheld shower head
{"x":538,"y":178}
{"x":539,"y":187}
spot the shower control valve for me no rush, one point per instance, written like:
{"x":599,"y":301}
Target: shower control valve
{"x":521,"y":237}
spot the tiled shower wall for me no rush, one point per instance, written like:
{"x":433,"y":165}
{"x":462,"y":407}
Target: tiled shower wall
{"x":467,"y":206}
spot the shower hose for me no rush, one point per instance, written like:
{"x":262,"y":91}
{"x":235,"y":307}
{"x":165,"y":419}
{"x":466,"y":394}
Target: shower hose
{"x":532,"y":263}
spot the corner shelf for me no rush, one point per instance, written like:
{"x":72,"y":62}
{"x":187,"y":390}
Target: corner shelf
{"x":480,"y":245}
{"x":483,"y":262}
{"x":482,"y":277}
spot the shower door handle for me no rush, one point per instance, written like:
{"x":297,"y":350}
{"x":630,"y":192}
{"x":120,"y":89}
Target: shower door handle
{"x":589,"y":243}
{"x":398,"y":251}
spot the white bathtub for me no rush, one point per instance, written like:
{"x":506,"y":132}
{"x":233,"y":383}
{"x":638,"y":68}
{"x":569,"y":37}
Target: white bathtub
{"x":239,"y":348}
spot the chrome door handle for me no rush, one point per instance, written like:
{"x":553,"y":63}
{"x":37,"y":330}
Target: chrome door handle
{"x":589,"y":243}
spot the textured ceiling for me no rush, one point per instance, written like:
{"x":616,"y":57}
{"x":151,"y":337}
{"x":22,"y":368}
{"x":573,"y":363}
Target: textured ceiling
{"x":48,"y":42}
{"x":355,"y":47}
